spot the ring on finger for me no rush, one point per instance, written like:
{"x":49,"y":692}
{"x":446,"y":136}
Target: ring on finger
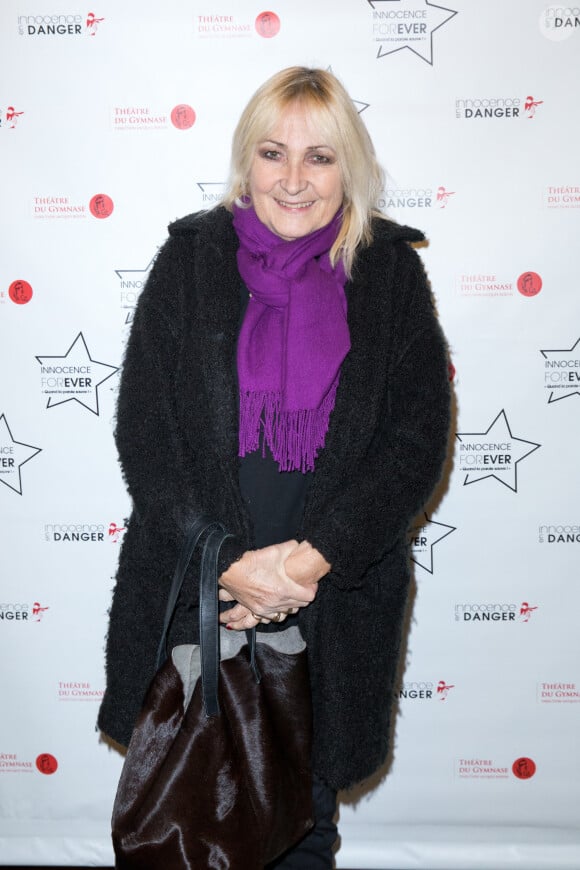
{"x":278,"y":617}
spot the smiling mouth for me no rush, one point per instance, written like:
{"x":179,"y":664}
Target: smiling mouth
{"x":297,"y":205}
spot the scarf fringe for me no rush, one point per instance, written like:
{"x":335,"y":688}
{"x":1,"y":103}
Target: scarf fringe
{"x":294,"y":437}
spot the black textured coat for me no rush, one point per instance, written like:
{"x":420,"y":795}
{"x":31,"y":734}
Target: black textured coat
{"x":177,"y":435}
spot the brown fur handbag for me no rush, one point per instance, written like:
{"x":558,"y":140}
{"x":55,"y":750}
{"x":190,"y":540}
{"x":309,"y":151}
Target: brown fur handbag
{"x":217,"y":774}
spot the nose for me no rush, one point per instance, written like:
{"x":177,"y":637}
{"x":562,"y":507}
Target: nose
{"x":293,"y":180}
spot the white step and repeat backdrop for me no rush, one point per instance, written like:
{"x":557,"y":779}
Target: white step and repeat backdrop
{"x":116,"y":119}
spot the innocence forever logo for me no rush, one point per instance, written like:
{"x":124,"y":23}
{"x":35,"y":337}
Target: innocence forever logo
{"x":13,"y":455}
{"x":74,"y":376}
{"x":494,"y":453}
{"x":399,"y":24}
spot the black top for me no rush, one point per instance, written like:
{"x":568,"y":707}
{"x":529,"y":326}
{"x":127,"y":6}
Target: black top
{"x":275,"y":499}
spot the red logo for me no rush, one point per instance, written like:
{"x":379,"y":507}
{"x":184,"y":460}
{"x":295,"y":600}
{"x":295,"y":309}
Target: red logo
{"x":93,"y":23}
{"x":526,"y":611}
{"x":267,"y":24}
{"x":115,"y":532}
{"x":523,"y":768}
{"x":20,"y":292}
{"x":183,"y":117}
{"x":101,"y":205}
{"x":38,"y":611}
{"x":531,"y":105}
{"x":529,"y":284}
{"x":443,"y":689}
{"x":46,"y":763}
{"x":12,"y":117}
{"x":443,"y":196}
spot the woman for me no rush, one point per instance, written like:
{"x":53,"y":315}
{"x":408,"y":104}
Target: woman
{"x":286,"y":374}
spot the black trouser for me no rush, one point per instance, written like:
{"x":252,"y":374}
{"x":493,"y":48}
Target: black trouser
{"x":314,"y":851}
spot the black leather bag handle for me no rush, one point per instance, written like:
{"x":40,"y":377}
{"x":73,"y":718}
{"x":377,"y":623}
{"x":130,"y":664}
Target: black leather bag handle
{"x":208,"y":608}
{"x":194,"y":533}
{"x":209,"y":628}
{"x":209,"y":635}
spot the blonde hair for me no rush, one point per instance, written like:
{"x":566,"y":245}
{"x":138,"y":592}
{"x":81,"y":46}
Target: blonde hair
{"x":335,"y":115}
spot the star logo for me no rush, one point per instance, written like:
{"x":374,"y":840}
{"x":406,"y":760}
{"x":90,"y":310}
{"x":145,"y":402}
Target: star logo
{"x":562,"y":373}
{"x":13,"y":455}
{"x":423,"y":538}
{"x":399,"y":24}
{"x":211,"y":191}
{"x":493,"y":453}
{"x":359,"y":105}
{"x":134,"y":278}
{"x":132,"y":281}
{"x":74,"y":377}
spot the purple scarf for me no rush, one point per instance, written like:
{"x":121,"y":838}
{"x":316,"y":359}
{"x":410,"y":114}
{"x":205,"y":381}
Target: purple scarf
{"x":292,"y":342}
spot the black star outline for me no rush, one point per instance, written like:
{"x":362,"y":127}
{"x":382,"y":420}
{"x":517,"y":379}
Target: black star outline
{"x":203,"y":184}
{"x":567,"y":395}
{"x":52,"y":404}
{"x":535,"y":446}
{"x":35,"y":452}
{"x":359,"y":105}
{"x":432,"y":543}
{"x":382,"y":53}
{"x":121,"y":273}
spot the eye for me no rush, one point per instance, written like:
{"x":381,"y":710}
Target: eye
{"x":270,"y":154}
{"x":321,"y":159}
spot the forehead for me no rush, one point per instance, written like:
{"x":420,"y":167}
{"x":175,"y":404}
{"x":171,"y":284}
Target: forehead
{"x":298,"y":126}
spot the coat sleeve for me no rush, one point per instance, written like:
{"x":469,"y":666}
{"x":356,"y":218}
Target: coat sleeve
{"x":393,"y":480}
{"x":146,"y":431}
{"x":149,"y":439}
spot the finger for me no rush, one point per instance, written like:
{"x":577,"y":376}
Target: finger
{"x":262,"y":619}
{"x":224,"y":595}
{"x":288,"y":547}
{"x":278,"y":615}
{"x":232,"y":614}
{"x":250,"y":620}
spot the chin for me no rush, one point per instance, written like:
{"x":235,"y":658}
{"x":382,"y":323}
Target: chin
{"x":290,"y":231}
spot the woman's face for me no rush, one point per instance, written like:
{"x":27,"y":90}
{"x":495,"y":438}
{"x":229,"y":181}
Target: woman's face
{"x":295,"y":182}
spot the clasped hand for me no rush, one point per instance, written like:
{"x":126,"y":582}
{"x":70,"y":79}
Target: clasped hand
{"x":270,"y":583}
